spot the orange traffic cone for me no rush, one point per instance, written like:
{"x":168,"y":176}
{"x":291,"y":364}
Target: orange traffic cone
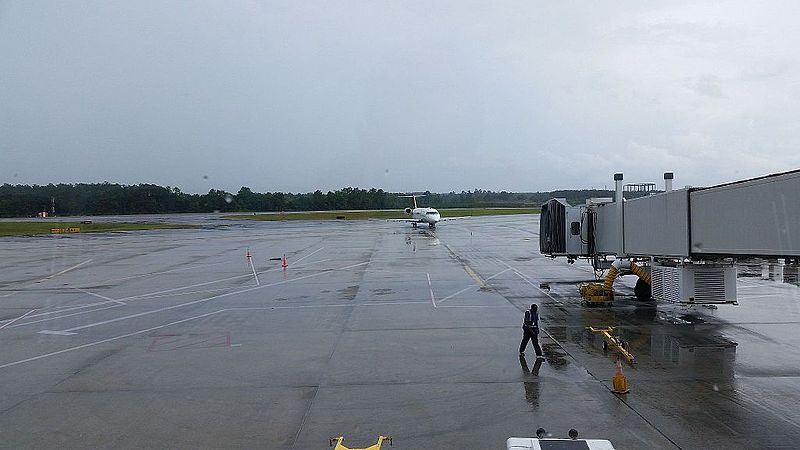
{"x":247,"y":253}
{"x":285,"y":265}
{"x":619,"y":382}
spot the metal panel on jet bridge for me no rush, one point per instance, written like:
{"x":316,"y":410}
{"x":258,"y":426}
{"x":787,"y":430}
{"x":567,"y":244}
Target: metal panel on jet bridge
{"x":658,"y":225}
{"x":605,"y":230}
{"x":758,"y":217}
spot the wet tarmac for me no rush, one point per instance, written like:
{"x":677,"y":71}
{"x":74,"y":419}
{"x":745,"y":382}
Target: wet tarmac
{"x":173,"y":339}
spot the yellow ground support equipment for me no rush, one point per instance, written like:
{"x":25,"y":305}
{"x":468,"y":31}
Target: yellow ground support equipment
{"x":601,"y":293}
{"x":339,"y":446}
{"x":610,"y":340}
{"x":596,"y":293}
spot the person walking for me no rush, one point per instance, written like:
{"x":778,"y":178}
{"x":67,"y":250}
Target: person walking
{"x":530,"y":331}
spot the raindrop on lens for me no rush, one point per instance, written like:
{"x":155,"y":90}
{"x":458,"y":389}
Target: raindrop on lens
{"x":228,"y":198}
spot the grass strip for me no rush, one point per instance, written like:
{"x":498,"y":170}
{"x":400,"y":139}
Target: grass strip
{"x":45,"y":227}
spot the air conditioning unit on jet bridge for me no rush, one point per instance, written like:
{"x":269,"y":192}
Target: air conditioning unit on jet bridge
{"x":694,"y":283}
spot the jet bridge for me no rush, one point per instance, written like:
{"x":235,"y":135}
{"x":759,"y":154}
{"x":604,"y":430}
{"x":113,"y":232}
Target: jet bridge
{"x":687,"y":240}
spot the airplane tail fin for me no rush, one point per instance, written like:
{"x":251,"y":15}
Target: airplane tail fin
{"x":413,"y":197}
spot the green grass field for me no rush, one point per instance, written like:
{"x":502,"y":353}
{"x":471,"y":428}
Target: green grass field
{"x":43,"y":227}
{"x":381,"y":214}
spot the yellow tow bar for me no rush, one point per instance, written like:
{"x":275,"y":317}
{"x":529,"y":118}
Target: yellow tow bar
{"x":340,"y":446}
{"x":613,"y":341}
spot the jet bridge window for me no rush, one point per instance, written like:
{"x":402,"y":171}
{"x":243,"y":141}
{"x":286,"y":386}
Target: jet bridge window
{"x":575,"y":228}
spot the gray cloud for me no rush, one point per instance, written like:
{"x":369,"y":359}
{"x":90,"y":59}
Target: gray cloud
{"x":399,"y":95}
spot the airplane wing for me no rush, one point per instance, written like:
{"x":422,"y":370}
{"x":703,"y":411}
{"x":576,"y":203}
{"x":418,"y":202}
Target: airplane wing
{"x":444,"y":219}
{"x":404,"y":220}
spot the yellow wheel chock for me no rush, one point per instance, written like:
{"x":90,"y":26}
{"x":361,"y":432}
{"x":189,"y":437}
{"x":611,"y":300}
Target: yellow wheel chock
{"x":610,"y":340}
{"x":340,"y":446}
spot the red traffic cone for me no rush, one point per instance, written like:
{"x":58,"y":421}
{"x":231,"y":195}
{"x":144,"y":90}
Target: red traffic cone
{"x":619,"y":382}
{"x":247,"y":253}
{"x":285,"y":265}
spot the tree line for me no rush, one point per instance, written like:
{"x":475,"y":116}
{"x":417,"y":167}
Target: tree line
{"x":111,"y":198}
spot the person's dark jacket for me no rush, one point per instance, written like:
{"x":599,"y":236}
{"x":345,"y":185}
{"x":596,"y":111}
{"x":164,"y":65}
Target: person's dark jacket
{"x":531,"y":322}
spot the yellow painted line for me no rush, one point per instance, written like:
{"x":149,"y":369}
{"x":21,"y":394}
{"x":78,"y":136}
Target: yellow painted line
{"x":474,"y":275}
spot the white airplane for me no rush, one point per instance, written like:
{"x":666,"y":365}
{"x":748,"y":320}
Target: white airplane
{"x":422,"y":215}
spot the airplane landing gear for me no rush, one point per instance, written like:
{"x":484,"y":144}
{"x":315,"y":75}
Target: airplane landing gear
{"x":431,"y":226}
{"x":414,"y":225}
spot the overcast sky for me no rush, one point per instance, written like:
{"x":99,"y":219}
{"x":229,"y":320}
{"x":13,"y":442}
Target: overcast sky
{"x":301,"y":95}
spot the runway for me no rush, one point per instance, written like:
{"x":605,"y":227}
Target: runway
{"x":174,"y":339}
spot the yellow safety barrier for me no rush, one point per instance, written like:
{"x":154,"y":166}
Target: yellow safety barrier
{"x":376,"y":446}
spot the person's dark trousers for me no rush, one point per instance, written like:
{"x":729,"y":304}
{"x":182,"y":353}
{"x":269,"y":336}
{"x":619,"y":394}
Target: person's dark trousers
{"x":530,"y":336}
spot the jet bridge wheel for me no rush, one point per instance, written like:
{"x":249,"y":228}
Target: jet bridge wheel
{"x":642,"y":291}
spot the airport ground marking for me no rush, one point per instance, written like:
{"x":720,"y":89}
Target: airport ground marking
{"x":103,"y":341}
{"x":59,"y":333}
{"x":472,"y":286}
{"x":177,"y":322}
{"x":430,"y":289}
{"x":16,"y":319}
{"x":334,"y":305}
{"x":473,"y":274}
{"x":67,"y":308}
{"x":525,"y":279}
{"x":64,"y":316}
{"x":167,"y":291}
{"x":208,"y":299}
{"x":68,"y":269}
{"x":312,"y":253}
{"x":255,"y":275}
{"x":116,"y":304}
{"x":178,"y":269}
{"x":93,"y":294}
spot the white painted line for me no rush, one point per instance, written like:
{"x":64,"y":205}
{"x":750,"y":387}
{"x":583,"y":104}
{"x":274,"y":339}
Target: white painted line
{"x":208,"y":299}
{"x":525,"y":279}
{"x":67,"y":309}
{"x":61,"y":317}
{"x":60,"y":333}
{"x":476,"y":306}
{"x":254,"y":271}
{"x":92,"y":344}
{"x":48,"y":277}
{"x":147,"y":330}
{"x":430,"y":288}
{"x":336,"y":305}
{"x":185,"y":287}
{"x":312,"y":253}
{"x":116,"y":302}
{"x":69,"y":268}
{"x":166,"y":291}
{"x":472,"y":286}
{"x":100,"y":296}
{"x":458,"y":292}
{"x":14,"y":320}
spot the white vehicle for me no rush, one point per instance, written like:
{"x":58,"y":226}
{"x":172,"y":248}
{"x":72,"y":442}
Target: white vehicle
{"x":541,"y":442}
{"x":422,"y":215}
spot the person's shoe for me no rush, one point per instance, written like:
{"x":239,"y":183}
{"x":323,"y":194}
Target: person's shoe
{"x":539,"y":357}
